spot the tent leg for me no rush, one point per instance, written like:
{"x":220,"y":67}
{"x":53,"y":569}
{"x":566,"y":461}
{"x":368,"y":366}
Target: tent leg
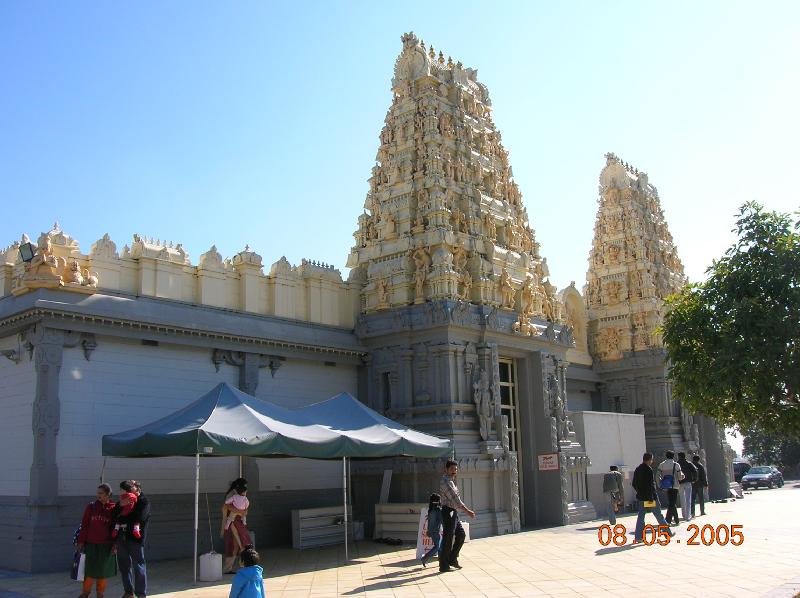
{"x":196,"y":509}
{"x":344,"y":485}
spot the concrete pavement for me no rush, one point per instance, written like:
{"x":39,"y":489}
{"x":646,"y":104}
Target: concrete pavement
{"x":563,"y":561}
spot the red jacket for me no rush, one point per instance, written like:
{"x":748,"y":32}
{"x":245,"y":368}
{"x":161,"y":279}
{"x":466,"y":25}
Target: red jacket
{"x":97,"y":523}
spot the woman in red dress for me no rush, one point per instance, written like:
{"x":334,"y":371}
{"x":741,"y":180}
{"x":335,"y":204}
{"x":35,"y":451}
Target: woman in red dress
{"x":95,"y":540}
{"x":235,"y":535}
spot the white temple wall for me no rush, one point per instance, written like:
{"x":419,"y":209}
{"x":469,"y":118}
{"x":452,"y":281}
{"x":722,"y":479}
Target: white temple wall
{"x":298,"y":383}
{"x":610,"y":439}
{"x":17,"y":390}
{"x":127,"y":384}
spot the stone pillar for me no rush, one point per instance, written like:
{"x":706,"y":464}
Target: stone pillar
{"x":45,"y":536}
{"x":48,"y":353}
{"x":714,"y":445}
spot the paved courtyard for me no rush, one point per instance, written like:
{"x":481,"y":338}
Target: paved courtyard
{"x":565,"y":561}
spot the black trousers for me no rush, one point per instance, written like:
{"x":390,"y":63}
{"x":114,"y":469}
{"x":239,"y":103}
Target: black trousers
{"x":452,"y":538}
{"x":672,"y":506}
{"x":698,"y":495}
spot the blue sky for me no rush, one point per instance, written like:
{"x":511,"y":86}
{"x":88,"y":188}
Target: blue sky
{"x":237,"y":122}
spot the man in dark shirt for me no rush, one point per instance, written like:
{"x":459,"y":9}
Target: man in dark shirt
{"x":130,"y":550}
{"x":644,"y":482}
{"x":699,"y":487}
{"x":689,"y":478}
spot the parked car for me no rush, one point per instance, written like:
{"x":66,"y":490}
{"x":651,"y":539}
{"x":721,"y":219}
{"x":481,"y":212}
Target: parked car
{"x":778,"y":476}
{"x":763,"y":475}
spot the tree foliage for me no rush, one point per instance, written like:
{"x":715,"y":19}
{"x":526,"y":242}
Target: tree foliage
{"x":733,"y":341}
{"x":771,"y":449}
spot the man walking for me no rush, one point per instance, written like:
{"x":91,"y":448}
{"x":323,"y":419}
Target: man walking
{"x":453,"y":533}
{"x":615,"y":494}
{"x":689,"y":478}
{"x":644,"y":483}
{"x":130,"y":549}
{"x":669,"y":474}
{"x":699,"y":487}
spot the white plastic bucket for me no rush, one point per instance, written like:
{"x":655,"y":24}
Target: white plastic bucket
{"x":210,"y":567}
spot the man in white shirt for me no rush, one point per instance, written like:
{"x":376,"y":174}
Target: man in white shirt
{"x":669,"y":477}
{"x":451,"y":526}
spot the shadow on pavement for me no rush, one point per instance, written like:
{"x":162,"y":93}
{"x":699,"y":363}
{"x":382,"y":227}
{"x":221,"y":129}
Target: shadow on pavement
{"x":614,"y":549}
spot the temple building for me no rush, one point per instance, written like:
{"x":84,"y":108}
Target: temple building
{"x":447,"y":322}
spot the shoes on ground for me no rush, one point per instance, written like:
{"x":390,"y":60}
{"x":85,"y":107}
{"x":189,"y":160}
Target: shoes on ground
{"x":445,"y":569}
{"x":455,"y":564}
{"x":423,"y":561}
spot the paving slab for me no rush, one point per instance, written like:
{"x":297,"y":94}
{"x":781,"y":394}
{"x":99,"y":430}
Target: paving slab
{"x":562,"y":561}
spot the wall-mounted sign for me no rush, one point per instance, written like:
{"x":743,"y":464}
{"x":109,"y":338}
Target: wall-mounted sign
{"x":548,"y":462}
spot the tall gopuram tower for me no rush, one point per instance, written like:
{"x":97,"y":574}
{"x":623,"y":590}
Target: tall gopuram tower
{"x":464,"y":330}
{"x":633,"y":267}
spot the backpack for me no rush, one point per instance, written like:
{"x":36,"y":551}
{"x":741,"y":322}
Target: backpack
{"x":668,"y":480}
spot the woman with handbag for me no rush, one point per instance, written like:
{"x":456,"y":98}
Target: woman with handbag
{"x":95,"y":540}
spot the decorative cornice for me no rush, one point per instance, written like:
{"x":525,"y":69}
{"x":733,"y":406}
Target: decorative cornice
{"x":37,"y":314}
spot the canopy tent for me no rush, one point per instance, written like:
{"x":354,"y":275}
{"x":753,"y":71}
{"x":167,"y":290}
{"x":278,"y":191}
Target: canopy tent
{"x":229,"y":422}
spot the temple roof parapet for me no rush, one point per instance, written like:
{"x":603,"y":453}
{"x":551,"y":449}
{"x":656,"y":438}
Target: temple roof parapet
{"x":162,"y":269}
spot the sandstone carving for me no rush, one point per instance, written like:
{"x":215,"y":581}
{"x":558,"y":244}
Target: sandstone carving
{"x":634,"y":264}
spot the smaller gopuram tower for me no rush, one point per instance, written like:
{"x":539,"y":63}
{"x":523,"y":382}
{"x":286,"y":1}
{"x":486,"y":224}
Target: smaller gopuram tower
{"x":633,"y":267}
{"x":465,"y":333}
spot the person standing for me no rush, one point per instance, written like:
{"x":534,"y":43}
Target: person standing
{"x":669,"y":474}
{"x":453,"y":532}
{"x":687,"y":482}
{"x":235,"y":535}
{"x":615,"y":494}
{"x":130,"y":546}
{"x":433,"y":527}
{"x":95,"y":540}
{"x":699,"y":487}
{"x":644,"y":483}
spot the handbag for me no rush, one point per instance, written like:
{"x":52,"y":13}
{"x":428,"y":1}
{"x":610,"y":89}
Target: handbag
{"x":649,"y":504}
{"x":668,"y":481}
{"x":78,"y":566}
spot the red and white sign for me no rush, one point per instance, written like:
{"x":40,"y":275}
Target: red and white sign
{"x":548,"y":462}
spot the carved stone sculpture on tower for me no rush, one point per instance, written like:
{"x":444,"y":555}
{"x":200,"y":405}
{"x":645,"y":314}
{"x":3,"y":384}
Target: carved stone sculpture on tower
{"x":484,"y":405}
{"x":442,"y":179}
{"x":633,"y":265}
{"x":507,"y":290}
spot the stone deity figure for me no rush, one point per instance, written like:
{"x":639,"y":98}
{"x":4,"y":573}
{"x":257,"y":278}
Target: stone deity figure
{"x":529,"y":298}
{"x":484,"y":405}
{"x":44,"y":266}
{"x":491,"y":226}
{"x":506,"y":290}
{"x":557,"y":407}
{"x":422,"y":261}
{"x":419,"y":224}
{"x":383,"y":292}
{"x":459,"y":258}
{"x":72,"y":273}
{"x":466,"y":281}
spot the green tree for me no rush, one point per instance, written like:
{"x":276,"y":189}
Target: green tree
{"x":771,"y":449}
{"x":733,"y":341}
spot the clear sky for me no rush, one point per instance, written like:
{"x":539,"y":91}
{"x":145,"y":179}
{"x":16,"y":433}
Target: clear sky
{"x":237,"y":122}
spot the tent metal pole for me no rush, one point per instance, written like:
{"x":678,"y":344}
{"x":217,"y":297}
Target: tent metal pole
{"x":344,"y":486}
{"x":196,"y":509}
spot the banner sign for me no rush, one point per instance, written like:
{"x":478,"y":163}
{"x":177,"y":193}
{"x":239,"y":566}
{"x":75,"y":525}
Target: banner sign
{"x":548,"y":462}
